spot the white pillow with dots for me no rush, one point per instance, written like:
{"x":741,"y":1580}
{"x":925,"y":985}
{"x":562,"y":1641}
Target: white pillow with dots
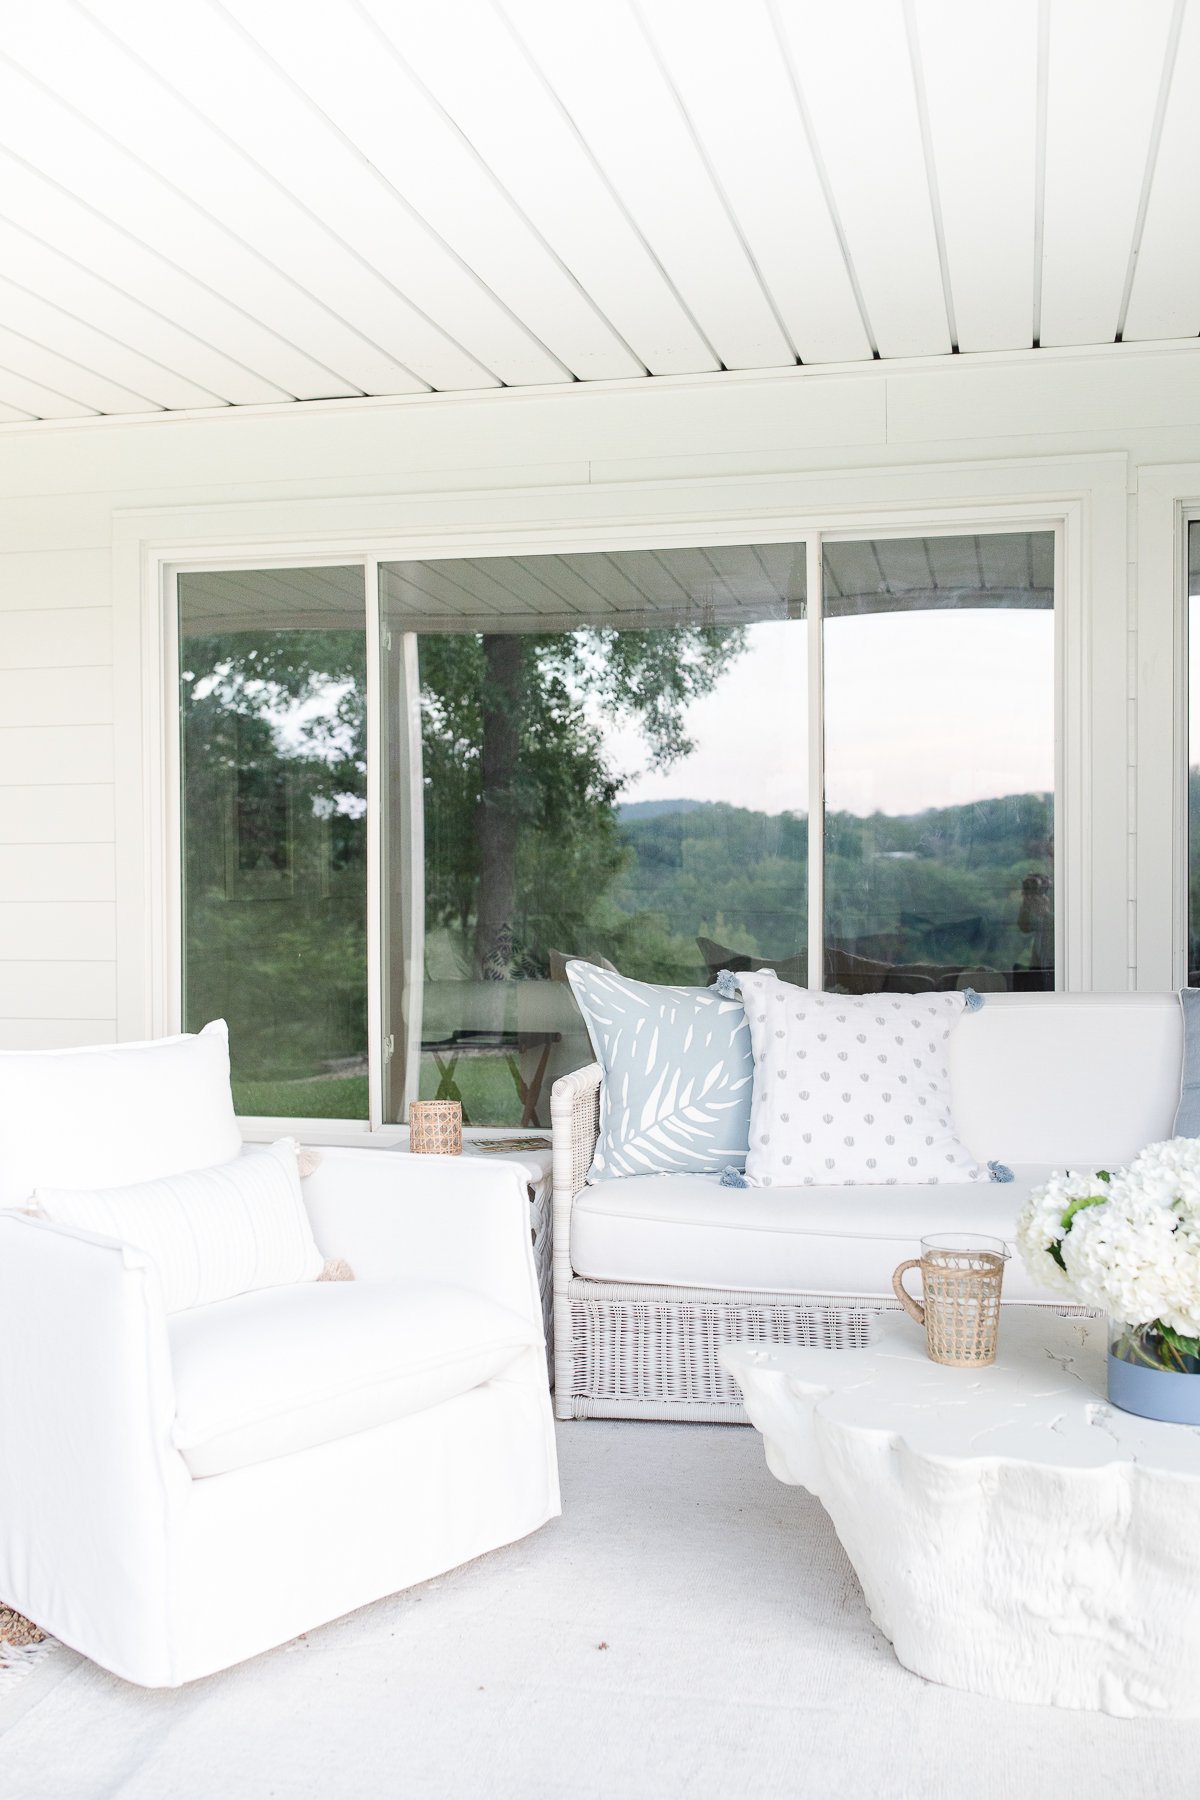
{"x":852,"y":1089}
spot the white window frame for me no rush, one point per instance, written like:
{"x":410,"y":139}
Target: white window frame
{"x":152,"y":550}
{"x":1168,"y":499}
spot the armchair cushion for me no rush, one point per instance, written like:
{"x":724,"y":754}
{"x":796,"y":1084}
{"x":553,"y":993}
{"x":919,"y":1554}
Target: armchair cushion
{"x":283,"y":1369}
{"x":113,"y":1114}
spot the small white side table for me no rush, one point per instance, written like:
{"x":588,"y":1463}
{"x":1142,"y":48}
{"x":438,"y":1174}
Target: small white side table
{"x":1013,"y":1533}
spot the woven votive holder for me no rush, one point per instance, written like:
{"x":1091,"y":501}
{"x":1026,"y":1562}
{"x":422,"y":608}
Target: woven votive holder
{"x":435,"y":1127}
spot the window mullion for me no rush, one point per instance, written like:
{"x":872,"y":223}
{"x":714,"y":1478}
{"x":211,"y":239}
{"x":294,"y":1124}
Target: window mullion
{"x":375,"y":908}
{"x":815,"y":612}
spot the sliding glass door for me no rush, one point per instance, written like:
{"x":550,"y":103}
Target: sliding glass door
{"x":666,"y":761}
{"x":610,"y":764}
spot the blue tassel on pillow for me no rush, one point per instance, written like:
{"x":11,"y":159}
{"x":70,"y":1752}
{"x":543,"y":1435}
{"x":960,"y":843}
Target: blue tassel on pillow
{"x":1000,"y":1172}
{"x":731,"y":1177}
{"x":973,"y":1000}
{"x":728,"y":985}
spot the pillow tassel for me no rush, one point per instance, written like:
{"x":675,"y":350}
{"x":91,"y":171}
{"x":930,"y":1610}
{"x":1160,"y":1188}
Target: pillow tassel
{"x":972,"y":1000}
{"x":1000,"y":1172}
{"x":728,"y":985}
{"x":731,"y":1177}
{"x":336,"y":1269}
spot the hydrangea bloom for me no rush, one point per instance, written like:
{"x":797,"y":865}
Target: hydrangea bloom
{"x":1042,"y":1223}
{"x":1134,"y":1251}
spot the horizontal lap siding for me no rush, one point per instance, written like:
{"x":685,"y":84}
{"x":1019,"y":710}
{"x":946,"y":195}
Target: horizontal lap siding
{"x":57,"y":885}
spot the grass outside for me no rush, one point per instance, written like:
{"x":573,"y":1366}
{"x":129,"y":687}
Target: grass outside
{"x":342,"y":1097}
{"x":485,"y":1084}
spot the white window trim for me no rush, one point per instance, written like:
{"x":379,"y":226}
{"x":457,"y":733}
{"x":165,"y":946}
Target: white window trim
{"x":1168,"y":497}
{"x":152,"y":546}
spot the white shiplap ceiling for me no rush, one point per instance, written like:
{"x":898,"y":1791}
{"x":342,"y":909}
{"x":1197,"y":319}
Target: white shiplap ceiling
{"x":224,"y":202}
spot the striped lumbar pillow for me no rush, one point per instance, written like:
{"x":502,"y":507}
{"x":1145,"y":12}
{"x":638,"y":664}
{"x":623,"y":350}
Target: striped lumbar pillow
{"x":212,"y":1233}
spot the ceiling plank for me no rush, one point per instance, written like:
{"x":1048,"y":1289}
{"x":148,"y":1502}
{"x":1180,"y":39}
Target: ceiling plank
{"x":314,"y":97}
{"x":17,"y":390}
{"x":635,"y":127}
{"x":447,"y":596}
{"x":87,"y":115}
{"x":984,"y":139}
{"x":1104,"y":72}
{"x":736,"y":89}
{"x":476,"y":68}
{"x":599,"y":578}
{"x":183,"y":362}
{"x":742,"y":570}
{"x":76,"y":231}
{"x":1165,"y":299}
{"x":64,"y":374}
{"x":494,"y":589}
{"x":484,"y":267}
{"x":65,"y":148}
{"x":113,"y":362}
{"x":310,"y":102}
{"x":852,"y":66}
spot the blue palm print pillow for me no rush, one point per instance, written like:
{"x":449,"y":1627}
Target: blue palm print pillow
{"x":678,"y":1075}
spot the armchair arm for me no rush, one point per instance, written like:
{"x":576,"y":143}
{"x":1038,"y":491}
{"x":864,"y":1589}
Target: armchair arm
{"x":575,"y":1126}
{"x":88,"y":1474}
{"x":461,"y":1220}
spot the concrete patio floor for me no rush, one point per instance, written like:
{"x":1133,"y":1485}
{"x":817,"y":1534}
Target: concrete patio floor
{"x":689,"y":1626}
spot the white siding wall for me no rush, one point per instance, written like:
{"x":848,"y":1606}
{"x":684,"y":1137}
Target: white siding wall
{"x":58,"y":937}
{"x":82,"y":505}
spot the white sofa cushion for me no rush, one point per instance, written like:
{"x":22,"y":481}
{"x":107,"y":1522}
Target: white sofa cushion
{"x":1079,"y":1080}
{"x":112,"y":1114}
{"x":211,"y":1233}
{"x":689,"y":1231}
{"x":280,"y":1370}
{"x":852,"y":1089}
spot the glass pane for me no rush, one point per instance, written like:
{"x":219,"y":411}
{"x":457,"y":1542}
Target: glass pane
{"x":597,"y":755}
{"x":272,"y":699}
{"x":1193,"y":957}
{"x":939,"y":743}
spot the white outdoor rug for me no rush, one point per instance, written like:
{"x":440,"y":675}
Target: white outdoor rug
{"x":739,"y":1662}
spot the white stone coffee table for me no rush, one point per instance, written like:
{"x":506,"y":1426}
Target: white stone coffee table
{"x":1013,"y":1533}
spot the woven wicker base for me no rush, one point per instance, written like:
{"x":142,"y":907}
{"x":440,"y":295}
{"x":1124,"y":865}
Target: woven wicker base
{"x":17,"y":1630}
{"x":651,"y":1352}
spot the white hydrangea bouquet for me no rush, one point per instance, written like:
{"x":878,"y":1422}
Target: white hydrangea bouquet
{"x":1127,"y":1243}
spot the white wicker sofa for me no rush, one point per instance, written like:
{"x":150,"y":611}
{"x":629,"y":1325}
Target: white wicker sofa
{"x":652,"y":1273}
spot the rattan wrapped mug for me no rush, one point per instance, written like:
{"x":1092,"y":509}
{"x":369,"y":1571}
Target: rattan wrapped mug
{"x":961,"y":1276}
{"x":435,"y":1127}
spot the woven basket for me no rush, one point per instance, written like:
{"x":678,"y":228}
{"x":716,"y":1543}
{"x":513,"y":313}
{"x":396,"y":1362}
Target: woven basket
{"x":961,"y":1310}
{"x":435,"y":1127}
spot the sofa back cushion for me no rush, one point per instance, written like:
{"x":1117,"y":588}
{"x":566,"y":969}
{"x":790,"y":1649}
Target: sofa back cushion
{"x":114,"y":1113}
{"x":1081,"y":1079}
{"x":211,"y":1233}
{"x":678,"y":1075}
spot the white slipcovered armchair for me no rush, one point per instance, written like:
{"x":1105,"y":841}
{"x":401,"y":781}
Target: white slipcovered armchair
{"x":178,"y":1492}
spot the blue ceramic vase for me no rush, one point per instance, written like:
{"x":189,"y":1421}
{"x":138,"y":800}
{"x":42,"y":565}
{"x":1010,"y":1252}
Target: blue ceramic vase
{"x":1154,"y":1393}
